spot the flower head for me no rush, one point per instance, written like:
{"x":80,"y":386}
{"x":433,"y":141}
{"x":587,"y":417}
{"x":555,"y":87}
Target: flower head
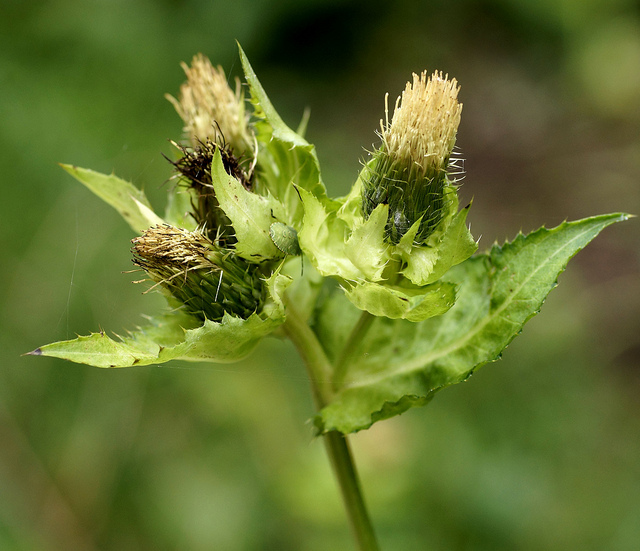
{"x":409,"y":170}
{"x":210,"y":109}
{"x":206,"y":279}
{"x":194,"y":171}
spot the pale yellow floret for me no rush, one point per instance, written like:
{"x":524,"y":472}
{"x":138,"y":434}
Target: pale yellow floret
{"x":425,"y":121}
{"x":165,"y":244}
{"x":209,"y":108}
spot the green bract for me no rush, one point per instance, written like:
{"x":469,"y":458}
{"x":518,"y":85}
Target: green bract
{"x":383,"y":278}
{"x":375,"y":289}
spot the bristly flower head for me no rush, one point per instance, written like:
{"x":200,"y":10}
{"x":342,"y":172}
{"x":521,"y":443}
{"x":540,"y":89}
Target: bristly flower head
{"x":409,"y":170}
{"x":194,"y":171}
{"x":210,"y":109}
{"x":206,"y":279}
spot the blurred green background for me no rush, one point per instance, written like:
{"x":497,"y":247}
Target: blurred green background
{"x":540,"y":451}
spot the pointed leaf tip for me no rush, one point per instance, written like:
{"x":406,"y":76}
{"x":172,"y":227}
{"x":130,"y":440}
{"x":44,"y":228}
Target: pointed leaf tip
{"x":123,"y":196}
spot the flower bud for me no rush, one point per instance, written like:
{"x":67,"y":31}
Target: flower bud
{"x":206,"y":279}
{"x":210,"y":109}
{"x":409,"y":170}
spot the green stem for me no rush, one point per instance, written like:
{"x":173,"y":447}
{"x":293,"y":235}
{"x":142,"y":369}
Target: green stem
{"x":320,"y":373}
{"x":318,"y":366}
{"x":344,"y":469}
{"x":353,"y":340}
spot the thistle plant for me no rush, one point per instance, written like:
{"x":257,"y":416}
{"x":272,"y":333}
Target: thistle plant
{"x":380,"y":291}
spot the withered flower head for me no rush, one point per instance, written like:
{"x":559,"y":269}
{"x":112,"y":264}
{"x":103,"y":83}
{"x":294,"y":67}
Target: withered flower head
{"x":194,"y":171}
{"x":210,"y":109}
{"x":409,"y":170}
{"x":206,"y":279}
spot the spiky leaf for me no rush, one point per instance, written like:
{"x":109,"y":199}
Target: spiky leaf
{"x":401,"y":364}
{"x":123,"y":196}
{"x":322,"y":238}
{"x":366,"y":246}
{"x":251,"y":215}
{"x":428,"y":264}
{"x":413,"y":304}
{"x":285,"y":157}
{"x":177,"y":337}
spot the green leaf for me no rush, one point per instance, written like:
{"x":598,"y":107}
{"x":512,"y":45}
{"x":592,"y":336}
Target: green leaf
{"x":286,"y":158}
{"x":283,"y":168}
{"x":366,"y":246}
{"x":413,"y":304}
{"x":175,"y":337}
{"x":123,"y":196}
{"x":280,"y":129}
{"x":98,"y":350}
{"x":179,"y":207}
{"x":306,"y":284}
{"x":400,"y":364}
{"x":251,"y":215}
{"x":351,"y":205}
{"x":228,"y":341}
{"x":322,"y":238}
{"x":428,"y":264}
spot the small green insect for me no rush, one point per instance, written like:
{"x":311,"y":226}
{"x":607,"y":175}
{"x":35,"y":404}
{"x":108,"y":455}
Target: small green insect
{"x":285,"y":238}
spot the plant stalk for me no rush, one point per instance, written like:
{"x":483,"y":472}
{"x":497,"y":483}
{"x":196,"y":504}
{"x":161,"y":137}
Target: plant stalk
{"x":320,"y":373}
{"x":344,"y":470}
{"x":318,"y":366}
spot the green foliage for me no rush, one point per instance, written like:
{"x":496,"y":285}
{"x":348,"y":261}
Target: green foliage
{"x":168,"y":339}
{"x":287,"y":161}
{"x":128,"y":200}
{"x":413,"y":304}
{"x":439,"y":314}
{"x":401,"y":364}
{"x":251,"y":215}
